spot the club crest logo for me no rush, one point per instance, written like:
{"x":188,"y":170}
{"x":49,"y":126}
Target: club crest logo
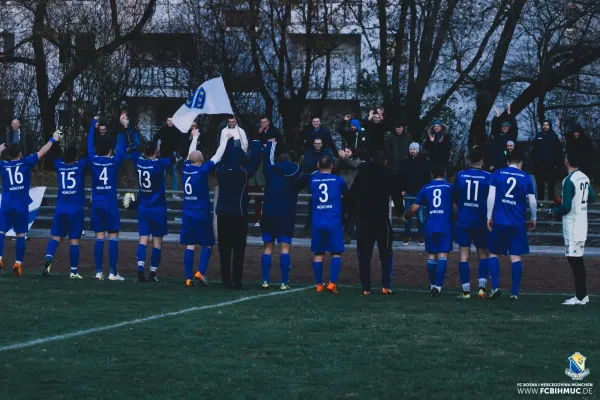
{"x":197,"y":99}
{"x":577,"y":370}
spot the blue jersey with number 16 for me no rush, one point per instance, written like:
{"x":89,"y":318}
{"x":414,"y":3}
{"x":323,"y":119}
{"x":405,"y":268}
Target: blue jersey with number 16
{"x":327,"y":191}
{"x":512,"y":188}
{"x":437,"y":197}
{"x":16,"y":179}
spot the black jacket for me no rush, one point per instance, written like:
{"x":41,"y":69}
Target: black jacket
{"x":584,"y":147}
{"x":495,"y":154}
{"x":185,"y":140}
{"x":370,"y":194}
{"x":547,"y":152}
{"x":438,"y":151}
{"x":169,"y":140}
{"x":309,"y":134}
{"x":377,"y":134}
{"x":413,"y":174}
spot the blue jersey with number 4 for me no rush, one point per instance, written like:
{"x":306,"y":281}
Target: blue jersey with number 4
{"x":512,"y":188}
{"x":327,"y":191}
{"x":437,"y":197}
{"x":151,"y":180}
{"x":196,"y":198}
{"x":71,"y":183}
{"x":472,"y":187}
{"x":16,"y":180}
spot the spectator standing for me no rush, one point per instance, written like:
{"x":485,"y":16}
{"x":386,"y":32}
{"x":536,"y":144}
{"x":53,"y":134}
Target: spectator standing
{"x":396,"y":146}
{"x":102,"y":135}
{"x":310,"y":159}
{"x":356,"y":137}
{"x":438,"y":144}
{"x":578,"y":142}
{"x":377,"y":129}
{"x":239,"y":135}
{"x":346,"y":165}
{"x":14,"y":134}
{"x":185,"y":141}
{"x":504,"y":129}
{"x":167,"y":140}
{"x":546,"y":157}
{"x":414,"y":173}
{"x":315,"y":130}
{"x":129,"y":139}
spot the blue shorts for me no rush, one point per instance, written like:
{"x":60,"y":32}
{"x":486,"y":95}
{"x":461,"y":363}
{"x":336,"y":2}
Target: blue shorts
{"x":197,"y":230}
{"x":505,"y":239}
{"x":275,"y":228}
{"x":68,"y":221}
{"x":478,"y":236}
{"x":105,"y":218}
{"x":329,"y":239}
{"x":436,"y":243}
{"x":152,"y":221}
{"x":16,"y":219}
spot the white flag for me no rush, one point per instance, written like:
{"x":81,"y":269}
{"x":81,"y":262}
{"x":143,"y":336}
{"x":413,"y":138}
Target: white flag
{"x":36,"y":194}
{"x":210,"y":98}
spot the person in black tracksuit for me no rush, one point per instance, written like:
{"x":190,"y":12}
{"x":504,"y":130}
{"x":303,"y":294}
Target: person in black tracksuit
{"x":233,"y":173}
{"x":368,"y":201}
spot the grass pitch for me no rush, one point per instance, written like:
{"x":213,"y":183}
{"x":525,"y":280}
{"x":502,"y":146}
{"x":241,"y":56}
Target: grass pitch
{"x":301,"y":345}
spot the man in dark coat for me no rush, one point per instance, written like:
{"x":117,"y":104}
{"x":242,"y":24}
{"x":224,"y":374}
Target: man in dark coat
{"x":396,"y":146}
{"x":504,"y":129}
{"x":168,"y":137}
{"x":579,"y":142}
{"x":546,"y":157}
{"x":438,"y":144}
{"x":414,"y":173}
{"x":315,"y":130}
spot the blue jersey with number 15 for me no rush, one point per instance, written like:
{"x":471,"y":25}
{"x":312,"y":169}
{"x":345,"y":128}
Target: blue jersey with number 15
{"x":71,"y":183}
{"x":512,"y":188}
{"x":327,"y":191}
{"x":437,"y":197}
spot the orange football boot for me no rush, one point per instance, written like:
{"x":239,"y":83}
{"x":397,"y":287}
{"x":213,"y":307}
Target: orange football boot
{"x":320,"y":287}
{"x":386,"y":291}
{"x":189,"y":283}
{"x":201,"y":278}
{"x":332,"y":288}
{"x":17,"y":269}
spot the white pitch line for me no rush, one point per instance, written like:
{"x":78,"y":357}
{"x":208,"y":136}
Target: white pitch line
{"x":84,"y":332}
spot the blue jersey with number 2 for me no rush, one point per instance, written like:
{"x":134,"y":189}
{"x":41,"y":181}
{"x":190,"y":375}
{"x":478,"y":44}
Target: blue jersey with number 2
{"x":512,"y":188}
{"x":327,"y":191}
{"x":437,"y":197}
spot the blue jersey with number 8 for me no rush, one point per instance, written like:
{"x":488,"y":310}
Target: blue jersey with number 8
{"x":327,"y":191}
{"x":437,"y":197}
{"x":512,"y":188}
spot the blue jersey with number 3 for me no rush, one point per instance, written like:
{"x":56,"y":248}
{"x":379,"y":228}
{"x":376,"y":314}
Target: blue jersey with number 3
{"x":151,"y":180}
{"x":327,"y":191}
{"x":71,"y":183}
{"x":512,"y":188}
{"x":16,"y":180}
{"x":472,"y":187}
{"x":437,"y":197}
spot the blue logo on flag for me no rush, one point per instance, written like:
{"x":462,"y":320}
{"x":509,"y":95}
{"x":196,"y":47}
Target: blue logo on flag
{"x":197,"y":99}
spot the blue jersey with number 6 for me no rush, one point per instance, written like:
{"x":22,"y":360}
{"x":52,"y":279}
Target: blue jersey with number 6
{"x":437,"y":197}
{"x":327,"y":191}
{"x":196,"y":198}
{"x":16,"y":179}
{"x":151,"y":180}
{"x":512,"y":188}
{"x":471,"y":187}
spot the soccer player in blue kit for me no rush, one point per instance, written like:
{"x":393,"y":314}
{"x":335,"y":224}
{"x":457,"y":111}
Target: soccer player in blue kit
{"x":69,"y":211}
{"x":510,"y":191}
{"x":279,"y":211}
{"x":470,"y":196}
{"x":196,"y":219}
{"x":14,"y":210}
{"x":437,"y":197}
{"x":327,"y":230}
{"x":104,"y":214}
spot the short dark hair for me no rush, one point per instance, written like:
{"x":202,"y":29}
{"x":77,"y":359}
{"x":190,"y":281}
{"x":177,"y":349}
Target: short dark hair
{"x":70,"y":155}
{"x":378,"y":157}
{"x":103,"y":148}
{"x":516,"y":156}
{"x":150,"y":148}
{"x":574,"y":159}
{"x":285,"y":157}
{"x":398,"y":124}
{"x":475,"y":156}
{"x":13,"y":151}
{"x":232,"y":117}
{"x":438,"y":171}
{"x":325,"y":162}
{"x":318,"y":138}
{"x":102,"y":123}
{"x":265,"y":117}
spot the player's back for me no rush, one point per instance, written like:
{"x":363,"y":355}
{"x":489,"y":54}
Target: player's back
{"x":151,"y":175}
{"x":437,"y":197}
{"x":196,"y":198}
{"x":16,"y":181}
{"x":71,"y":183}
{"x":575,"y":222}
{"x":472,"y":187}
{"x":281,"y":190}
{"x":512,"y":188}
{"x":105,"y":176}
{"x":327,"y":191}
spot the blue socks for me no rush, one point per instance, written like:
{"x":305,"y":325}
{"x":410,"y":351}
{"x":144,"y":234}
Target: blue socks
{"x":51,"y":248}
{"x":318,"y":271}
{"x":484,"y":271}
{"x":1,"y":244}
{"x":141,"y":257}
{"x":155,"y":259}
{"x":334,"y":268}
{"x":20,"y":249}
{"x":204,"y":259}
{"x":431,"y":268}
{"x":265,"y":263}
{"x":517,"y":272}
{"x":440,"y":272}
{"x":188,"y":263}
{"x":285,"y":264}
{"x":99,"y":254}
{"x":465,"y":278}
{"x":494,"y":264}
{"x":113,"y":254}
{"x":74,"y":256}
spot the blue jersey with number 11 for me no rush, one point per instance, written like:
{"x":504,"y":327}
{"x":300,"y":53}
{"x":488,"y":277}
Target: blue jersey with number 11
{"x":512,"y":188}
{"x":327,"y":191}
{"x":472,"y":187}
{"x":437,"y":197}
